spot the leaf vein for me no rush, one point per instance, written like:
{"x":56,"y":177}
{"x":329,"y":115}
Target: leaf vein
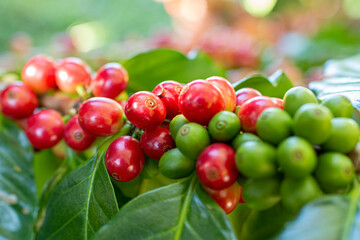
{"x":185,"y":207}
{"x":66,"y":223}
{"x":97,"y":204}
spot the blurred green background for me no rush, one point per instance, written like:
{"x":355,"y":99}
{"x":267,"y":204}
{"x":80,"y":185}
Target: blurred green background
{"x":244,"y":36}
{"x":110,"y":19}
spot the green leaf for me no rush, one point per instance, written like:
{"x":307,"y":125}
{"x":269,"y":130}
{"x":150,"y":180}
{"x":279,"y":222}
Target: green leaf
{"x":148,"y":69}
{"x":331,"y":218}
{"x":178,"y":211}
{"x":340,"y":77}
{"x":274,"y":86}
{"x":70,"y":163}
{"x":17,"y":183}
{"x":83,"y":202}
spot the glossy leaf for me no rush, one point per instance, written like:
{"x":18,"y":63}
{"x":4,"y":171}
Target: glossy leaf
{"x":274,"y":86}
{"x":340,"y":77}
{"x":148,"y":69}
{"x":83,"y":201}
{"x":331,"y":218}
{"x":17,"y":183}
{"x":178,"y":211}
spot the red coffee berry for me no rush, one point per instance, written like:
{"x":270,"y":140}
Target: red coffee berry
{"x":216,"y":167}
{"x":199,"y":101}
{"x":245,"y":94}
{"x":145,"y":110}
{"x":110,"y":80}
{"x":227,"y":198}
{"x":227,"y":91}
{"x":75,"y":137}
{"x":168,"y":92}
{"x":100,"y":116}
{"x":72,"y":72}
{"x":39,"y":74}
{"x":18,"y":101}
{"x":155,"y":142}
{"x":124,"y":159}
{"x":250,"y":111}
{"x":44,"y":129}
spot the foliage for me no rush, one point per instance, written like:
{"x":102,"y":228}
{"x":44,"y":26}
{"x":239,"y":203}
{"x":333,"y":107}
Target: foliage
{"x":41,"y":19}
{"x":17,"y":183}
{"x":336,"y":40}
{"x":83,"y":202}
{"x":341,"y":221}
{"x":148,"y":69}
{"x":80,"y":201}
{"x":340,"y":77}
{"x":178,"y":211}
{"x":274,"y":86}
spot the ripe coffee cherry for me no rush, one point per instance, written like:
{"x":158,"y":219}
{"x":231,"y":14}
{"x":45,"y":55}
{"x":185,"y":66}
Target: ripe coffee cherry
{"x":124,"y":159}
{"x":245,"y":94}
{"x":227,"y":198}
{"x":100,"y":116}
{"x":39,"y":74}
{"x":145,"y":110}
{"x":155,"y":142}
{"x":45,"y":129}
{"x":250,"y":111}
{"x":216,"y":167}
{"x":227,"y":91}
{"x":199,"y":101}
{"x":75,"y":137}
{"x":72,"y":72}
{"x":18,"y":101}
{"x":168,"y":92}
{"x":110,"y":80}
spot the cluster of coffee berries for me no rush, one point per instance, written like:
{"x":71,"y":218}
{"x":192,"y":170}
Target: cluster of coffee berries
{"x":179,"y":122}
{"x":98,"y":116}
{"x":243,"y":147}
{"x":296,"y":152}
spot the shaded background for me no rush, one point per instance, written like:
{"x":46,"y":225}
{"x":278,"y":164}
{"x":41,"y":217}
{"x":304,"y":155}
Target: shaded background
{"x":244,"y":36}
